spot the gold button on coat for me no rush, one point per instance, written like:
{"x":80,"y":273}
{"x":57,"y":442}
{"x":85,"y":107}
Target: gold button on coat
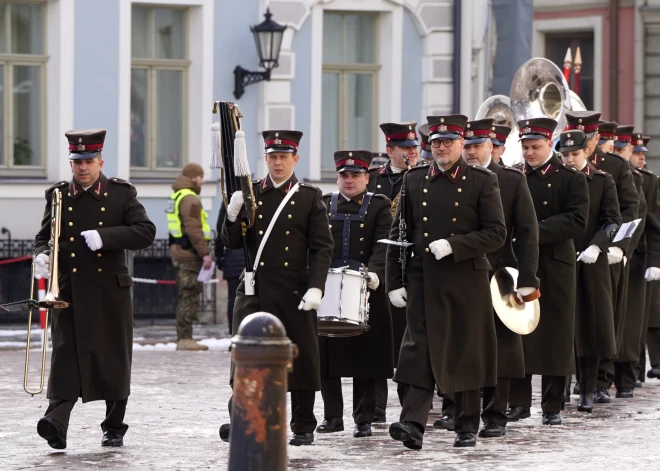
{"x":70,"y":239}
{"x":74,"y":270}
{"x":423,"y":203}
{"x":100,"y":270}
{"x":286,"y":264}
{"x":426,"y":249}
{"x":70,"y":208}
{"x":460,"y":190}
{"x":290,"y":216}
{"x":453,"y":219}
{"x":98,"y":254}
{"x":73,"y":254}
{"x":261,"y":264}
{"x":100,"y":223}
{"x":70,"y":224}
{"x":261,"y":232}
{"x":102,"y":209}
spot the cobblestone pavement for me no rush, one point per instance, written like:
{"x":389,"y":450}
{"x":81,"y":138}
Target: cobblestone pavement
{"x":179,"y":400}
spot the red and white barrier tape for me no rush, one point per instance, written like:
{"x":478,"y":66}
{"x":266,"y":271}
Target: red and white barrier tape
{"x":164,"y":282}
{"x":15,"y":260}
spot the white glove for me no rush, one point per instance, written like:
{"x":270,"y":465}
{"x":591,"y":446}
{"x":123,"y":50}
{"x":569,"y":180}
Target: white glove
{"x":235,"y":205}
{"x":590,"y":255}
{"x":440,"y":248}
{"x":312,"y":298}
{"x":524,"y":291}
{"x":373,"y":282}
{"x":93,"y":239}
{"x":398,"y":297}
{"x":614,"y":255}
{"x":42,"y":266}
{"x":652,"y":274}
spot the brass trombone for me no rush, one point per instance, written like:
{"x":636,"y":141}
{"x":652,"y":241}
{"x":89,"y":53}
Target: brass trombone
{"x":52,"y":299}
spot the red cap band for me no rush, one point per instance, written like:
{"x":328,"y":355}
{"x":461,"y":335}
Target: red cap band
{"x":623,"y":138}
{"x":580,"y":127}
{"x":401,"y":136}
{"x":352,"y":163}
{"x":469,"y":133}
{"x":282,"y":142}
{"x":535,"y":130}
{"x":606,"y":135}
{"x":443,"y":128}
{"x":85,"y":147}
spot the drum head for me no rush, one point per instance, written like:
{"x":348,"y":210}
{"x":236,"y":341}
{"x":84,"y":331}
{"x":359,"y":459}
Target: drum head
{"x":521,"y":319}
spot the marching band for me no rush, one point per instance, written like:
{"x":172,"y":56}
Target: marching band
{"x":457,"y":270}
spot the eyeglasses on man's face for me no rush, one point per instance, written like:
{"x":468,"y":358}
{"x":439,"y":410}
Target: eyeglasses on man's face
{"x":447,"y":143}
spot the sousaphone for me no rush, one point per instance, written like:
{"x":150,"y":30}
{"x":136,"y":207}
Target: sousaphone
{"x":539,"y":90}
{"x":498,"y":108}
{"x":520,"y":316}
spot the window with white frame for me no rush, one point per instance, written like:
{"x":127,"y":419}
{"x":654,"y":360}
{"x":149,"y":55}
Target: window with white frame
{"x":22,"y":85}
{"x":350,"y":84}
{"x":159,"y":91}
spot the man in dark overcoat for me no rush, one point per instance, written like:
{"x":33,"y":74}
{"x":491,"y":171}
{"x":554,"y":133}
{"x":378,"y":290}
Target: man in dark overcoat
{"x":358,"y":219}
{"x":401,"y":142}
{"x":92,"y":338}
{"x":454,"y":217}
{"x":600,"y":139}
{"x":520,"y":220}
{"x":594,"y":310}
{"x":643,"y":266}
{"x":295,"y":259}
{"x":561,"y":202}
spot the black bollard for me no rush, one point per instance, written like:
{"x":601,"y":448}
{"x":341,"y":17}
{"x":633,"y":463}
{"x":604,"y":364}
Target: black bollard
{"x":263,"y":356}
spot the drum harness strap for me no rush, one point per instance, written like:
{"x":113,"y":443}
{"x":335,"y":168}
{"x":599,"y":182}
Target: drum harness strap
{"x":346,"y":235}
{"x":250,"y":275}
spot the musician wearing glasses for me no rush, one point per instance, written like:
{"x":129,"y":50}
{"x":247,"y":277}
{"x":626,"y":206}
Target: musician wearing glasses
{"x":358,"y":219}
{"x":594,"y":309}
{"x":561,"y":203}
{"x":401,"y":143}
{"x":92,"y":338}
{"x":600,"y":143}
{"x":453,"y":215}
{"x":520,"y":220}
{"x":290,"y":274}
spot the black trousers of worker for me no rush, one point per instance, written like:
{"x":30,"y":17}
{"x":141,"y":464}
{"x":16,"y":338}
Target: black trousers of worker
{"x":494,"y":403}
{"x":653,"y":341}
{"x":416,"y":404}
{"x":60,"y":411}
{"x":364,"y":399}
{"x":552,"y":393}
{"x":303,"y":419}
{"x":588,"y":368}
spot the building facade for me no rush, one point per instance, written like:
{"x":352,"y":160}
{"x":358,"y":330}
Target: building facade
{"x":149,"y":71}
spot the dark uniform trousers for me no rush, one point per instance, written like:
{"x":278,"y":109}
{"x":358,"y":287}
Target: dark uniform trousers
{"x":588,"y":373}
{"x":494,"y":403}
{"x":364,"y":399}
{"x":653,"y":341}
{"x":303,"y":419}
{"x":552,"y":388}
{"x":60,"y":410}
{"x":416,"y":404}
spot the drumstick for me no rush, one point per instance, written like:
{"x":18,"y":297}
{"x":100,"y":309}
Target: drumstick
{"x":299,"y":297}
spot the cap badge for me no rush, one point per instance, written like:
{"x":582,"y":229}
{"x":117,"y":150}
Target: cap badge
{"x":411,"y":135}
{"x":469,"y":134}
{"x":569,"y":142}
{"x":81,"y":147}
{"x":492,"y":135}
{"x":580,"y":127}
{"x":442,"y":128}
{"x":526,"y":130}
{"x":350,"y":162}
{"x":278,"y":141}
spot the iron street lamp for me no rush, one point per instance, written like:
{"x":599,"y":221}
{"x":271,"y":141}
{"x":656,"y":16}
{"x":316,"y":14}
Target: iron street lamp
{"x":268,"y":39}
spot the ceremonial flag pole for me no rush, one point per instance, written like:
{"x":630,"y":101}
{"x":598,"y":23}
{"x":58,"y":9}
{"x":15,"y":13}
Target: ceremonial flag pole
{"x":578,"y":71}
{"x":568,"y":62}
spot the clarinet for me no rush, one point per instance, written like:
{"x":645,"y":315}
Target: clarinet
{"x":403,"y":236}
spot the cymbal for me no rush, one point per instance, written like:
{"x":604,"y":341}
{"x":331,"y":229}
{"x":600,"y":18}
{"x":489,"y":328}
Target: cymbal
{"x":521,"y":319}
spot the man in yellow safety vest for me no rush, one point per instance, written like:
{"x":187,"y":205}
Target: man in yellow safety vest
{"x":189,"y":248}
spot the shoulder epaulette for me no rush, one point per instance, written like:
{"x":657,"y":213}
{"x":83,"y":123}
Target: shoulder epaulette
{"x":646,"y":171}
{"x":481,"y":169}
{"x":614,"y":154}
{"x":512,"y":169}
{"x":418,"y":167}
{"x":600,"y":172}
{"x":57,"y":185}
{"x":379,"y":195}
{"x":120,"y":181}
{"x":327,"y":195}
{"x":310,"y":187}
{"x":568,"y":167}
{"x":257,"y":182}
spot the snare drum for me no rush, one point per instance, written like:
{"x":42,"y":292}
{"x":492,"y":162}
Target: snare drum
{"x":344,"y":310}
